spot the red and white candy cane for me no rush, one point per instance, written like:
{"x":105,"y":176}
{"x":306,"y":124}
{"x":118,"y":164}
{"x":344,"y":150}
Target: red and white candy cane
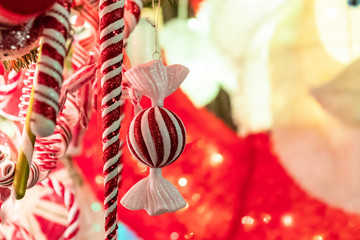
{"x":156,"y":138}
{"x":49,"y":72}
{"x":7,"y":171}
{"x":132,"y":15}
{"x":48,"y":150}
{"x":14,"y":231}
{"x":70,"y":203}
{"x":111,"y":58}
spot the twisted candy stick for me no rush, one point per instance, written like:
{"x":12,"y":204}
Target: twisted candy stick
{"x":111,"y":47}
{"x":49,"y":72}
{"x":131,"y":14}
{"x":70,"y":203}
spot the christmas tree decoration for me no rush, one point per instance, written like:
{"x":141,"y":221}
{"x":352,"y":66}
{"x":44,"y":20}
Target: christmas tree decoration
{"x":14,"y":231}
{"x":8,"y":170}
{"x":156,"y":138}
{"x":131,"y":16}
{"x":48,"y":76}
{"x":111,"y":57}
{"x":7,"y":174}
{"x":54,"y":211}
{"x":43,"y":103}
{"x":25,"y":154}
{"x":306,"y":130}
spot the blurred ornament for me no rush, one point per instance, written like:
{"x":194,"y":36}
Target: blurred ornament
{"x":244,"y":39}
{"x":21,"y":11}
{"x":336,"y":25}
{"x":13,"y":231}
{"x":131,"y":16}
{"x":209,"y":69}
{"x":316,"y":148}
{"x":17,"y":41}
{"x":41,"y":212}
{"x":353,"y":3}
{"x":341,"y":95}
{"x":70,"y":203}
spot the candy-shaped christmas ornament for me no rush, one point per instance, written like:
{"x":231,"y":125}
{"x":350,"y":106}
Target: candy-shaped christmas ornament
{"x":156,"y":138}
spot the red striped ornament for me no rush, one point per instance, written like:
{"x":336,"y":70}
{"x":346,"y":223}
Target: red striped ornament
{"x":156,"y":137}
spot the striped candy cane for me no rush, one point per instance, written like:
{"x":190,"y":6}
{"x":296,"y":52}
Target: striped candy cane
{"x":7,"y":171}
{"x":49,"y":72}
{"x":132,"y":15}
{"x":81,"y":51}
{"x":70,"y":203}
{"x":111,"y":58}
{"x":90,"y":13}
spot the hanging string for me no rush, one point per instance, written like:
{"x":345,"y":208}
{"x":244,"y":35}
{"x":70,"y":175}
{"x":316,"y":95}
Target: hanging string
{"x":183,"y":11}
{"x":156,"y":16}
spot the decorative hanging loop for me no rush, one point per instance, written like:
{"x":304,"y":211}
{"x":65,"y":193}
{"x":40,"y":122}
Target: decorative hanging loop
{"x":156,"y":138}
